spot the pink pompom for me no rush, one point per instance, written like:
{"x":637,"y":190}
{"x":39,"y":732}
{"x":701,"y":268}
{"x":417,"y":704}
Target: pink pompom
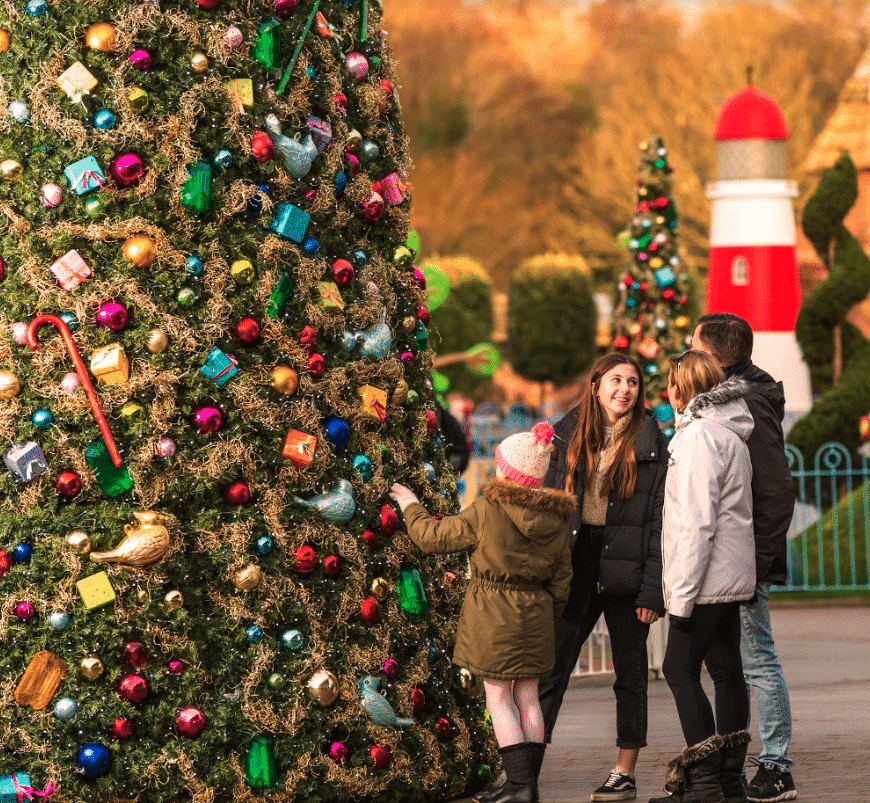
{"x":543,"y":433}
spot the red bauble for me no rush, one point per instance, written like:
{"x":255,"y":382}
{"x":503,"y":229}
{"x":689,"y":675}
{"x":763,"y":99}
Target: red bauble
{"x":306,"y":559}
{"x":122,"y":728}
{"x":68,"y":483}
{"x":262,"y":147}
{"x":211,"y":5}
{"x":248,"y":331}
{"x":620,"y":343}
{"x":5,"y":562}
{"x":190,"y":722}
{"x":380,"y":756}
{"x":370,"y":611}
{"x":342,"y":271}
{"x":308,"y":338}
{"x":316,"y":365}
{"x":371,"y":539}
{"x":284,"y":9}
{"x":389,"y":520}
{"x":133,"y":688}
{"x":340,"y":102}
{"x":423,"y":315}
{"x":443,"y":728}
{"x":331,"y":565}
{"x":237,"y":494}
{"x":438,"y":516}
{"x":135,"y":654}
{"x":431,"y":422}
{"x":372,"y":208}
{"x":669,"y":294}
{"x":2,"y":269}
{"x":418,"y":700}
{"x":451,"y":580}
{"x":387,"y":88}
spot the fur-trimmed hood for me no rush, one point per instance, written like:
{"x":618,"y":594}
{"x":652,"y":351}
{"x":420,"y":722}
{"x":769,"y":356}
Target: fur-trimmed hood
{"x":539,"y":513}
{"x":723,"y":403}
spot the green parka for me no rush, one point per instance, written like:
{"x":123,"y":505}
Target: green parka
{"x":520,"y":575}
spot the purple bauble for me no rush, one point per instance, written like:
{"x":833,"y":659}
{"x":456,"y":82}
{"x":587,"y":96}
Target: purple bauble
{"x":141,"y":60}
{"x":25,"y":611}
{"x":166,"y":448}
{"x":208,"y":420}
{"x":357,"y":65}
{"x":70,"y":383}
{"x":112,"y":315}
{"x":127,"y":169}
{"x":338,"y":752}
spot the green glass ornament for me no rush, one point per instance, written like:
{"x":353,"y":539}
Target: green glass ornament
{"x":94,"y":206}
{"x":421,"y":336}
{"x":113,"y":481}
{"x":413,"y":243}
{"x":277,"y":304}
{"x":412,"y":595}
{"x":186,"y":297}
{"x":412,"y":400}
{"x":276,"y":681}
{"x":267,"y":47}
{"x":261,"y":771}
{"x":196,"y":191}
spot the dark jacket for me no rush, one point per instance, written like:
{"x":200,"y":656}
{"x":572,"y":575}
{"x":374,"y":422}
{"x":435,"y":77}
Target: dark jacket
{"x":773,"y":494}
{"x":520,"y":576}
{"x":630,"y":556}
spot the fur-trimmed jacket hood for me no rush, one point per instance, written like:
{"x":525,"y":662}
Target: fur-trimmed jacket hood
{"x":538,"y":513}
{"x":723,"y":403}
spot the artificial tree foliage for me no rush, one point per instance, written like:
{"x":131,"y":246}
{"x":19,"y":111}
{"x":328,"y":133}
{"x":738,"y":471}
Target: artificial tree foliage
{"x":195,"y":227}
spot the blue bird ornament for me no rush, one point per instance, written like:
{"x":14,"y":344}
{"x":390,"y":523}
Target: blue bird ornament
{"x":336,"y":505}
{"x":377,"y":706}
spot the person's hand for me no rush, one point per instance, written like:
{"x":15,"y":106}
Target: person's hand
{"x":647,"y":616}
{"x":683,"y":623}
{"x":403,"y":496}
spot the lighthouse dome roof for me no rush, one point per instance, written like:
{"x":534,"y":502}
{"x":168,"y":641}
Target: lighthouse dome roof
{"x":750,"y":114}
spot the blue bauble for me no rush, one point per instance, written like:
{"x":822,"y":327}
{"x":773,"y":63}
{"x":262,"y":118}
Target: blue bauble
{"x":93,"y":760}
{"x":359,"y":258}
{"x":337,"y":431}
{"x":104,"y":119}
{"x":18,"y":111}
{"x":433,"y":656}
{"x":254,"y":634}
{"x":36,"y":8}
{"x":58,"y":620}
{"x":42,"y":418}
{"x":363,"y":466}
{"x":254,"y":202}
{"x":292,"y":640}
{"x":265,"y":544}
{"x":340,"y":183}
{"x":369,"y":150}
{"x":224,"y":159}
{"x":69,"y":318}
{"x":22,"y":553}
{"x":429,"y":470}
{"x":311,"y":74}
{"x":310,"y":246}
{"x":651,"y":369}
{"x":193,"y":264}
{"x":631,"y":303}
{"x":66,"y":708}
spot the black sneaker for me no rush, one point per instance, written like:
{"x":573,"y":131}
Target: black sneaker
{"x":619,"y":786}
{"x":770,"y":784}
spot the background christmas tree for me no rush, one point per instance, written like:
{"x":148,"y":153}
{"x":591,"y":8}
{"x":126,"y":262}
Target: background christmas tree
{"x":653,"y":318}
{"x":209,"y":201}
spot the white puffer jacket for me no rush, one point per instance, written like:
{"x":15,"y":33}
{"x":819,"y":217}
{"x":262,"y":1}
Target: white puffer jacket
{"x":708,"y":547}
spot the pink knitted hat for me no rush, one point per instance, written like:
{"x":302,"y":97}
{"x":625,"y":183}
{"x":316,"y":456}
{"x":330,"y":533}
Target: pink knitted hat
{"x":524,"y":457}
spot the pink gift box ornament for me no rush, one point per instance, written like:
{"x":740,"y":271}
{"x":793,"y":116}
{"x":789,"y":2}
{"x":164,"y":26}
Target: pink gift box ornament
{"x":391,"y":188}
{"x":70,"y":270}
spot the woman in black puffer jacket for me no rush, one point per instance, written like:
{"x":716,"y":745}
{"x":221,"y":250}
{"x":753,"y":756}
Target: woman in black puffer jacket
{"x":611,"y":453}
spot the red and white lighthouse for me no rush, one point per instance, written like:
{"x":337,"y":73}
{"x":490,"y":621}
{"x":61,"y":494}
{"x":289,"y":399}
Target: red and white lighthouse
{"x":753,"y":265}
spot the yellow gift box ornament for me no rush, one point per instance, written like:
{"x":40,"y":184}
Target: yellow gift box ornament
{"x":96,"y":590}
{"x":110,"y":365}
{"x":242,"y":92}
{"x":373,"y":401}
{"x":329,"y":297}
{"x":77,"y":81}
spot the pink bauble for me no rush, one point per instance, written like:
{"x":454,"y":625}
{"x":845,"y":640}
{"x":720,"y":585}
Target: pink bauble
{"x":175,"y":667}
{"x":352,"y":165}
{"x":357,"y":65}
{"x":166,"y":448}
{"x":211,"y":5}
{"x":338,"y":752}
{"x":380,"y":756}
{"x":25,"y":611}
{"x":391,"y":669}
{"x":50,"y":195}
{"x":70,"y":383}
{"x":19,"y":332}
{"x":133,"y":688}
{"x":112,"y":315}
{"x":208,"y":420}
{"x":190,"y":722}
{"x":127,"y":169}
{"x":407,"y":358}
{"x":233,"y":37}
{"x":141,"y":60}
{"x":419,"y":279}
{"x":373,"y":208}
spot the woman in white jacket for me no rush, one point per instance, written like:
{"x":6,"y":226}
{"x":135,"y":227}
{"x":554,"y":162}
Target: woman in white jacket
{"x":708,"y":557}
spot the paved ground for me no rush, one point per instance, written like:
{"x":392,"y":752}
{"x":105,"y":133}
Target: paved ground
{"x":825,"y":652}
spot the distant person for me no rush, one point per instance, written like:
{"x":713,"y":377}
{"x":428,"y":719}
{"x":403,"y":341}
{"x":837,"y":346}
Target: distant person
{"x":612,"y":456}
{"x":728,"y":338}
{"x":517,"y":534}
{"x":708,"y":555}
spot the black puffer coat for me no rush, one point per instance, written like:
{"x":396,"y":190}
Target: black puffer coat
{"x":630,"y":557}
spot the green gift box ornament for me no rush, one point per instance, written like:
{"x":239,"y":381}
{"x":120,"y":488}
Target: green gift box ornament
{"x":260,"y":769}
{"x":277,"y":303}
{"x":412,"y":595}
{"x":267,"y":47}
{"x":196,"y":191}
{"x":113,"y":480}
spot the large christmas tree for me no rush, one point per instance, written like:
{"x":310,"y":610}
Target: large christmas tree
{"x":652,"y":316}
{"x":213,"y":366}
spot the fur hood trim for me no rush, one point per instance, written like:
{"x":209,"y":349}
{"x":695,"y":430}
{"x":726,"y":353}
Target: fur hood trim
{"x":542,"y":500}
{"x":724,"y":392}
{"x":677,"y":766}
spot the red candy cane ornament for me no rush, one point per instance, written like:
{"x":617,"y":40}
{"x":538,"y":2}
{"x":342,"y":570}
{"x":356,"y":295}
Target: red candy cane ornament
{"x":76,"y":358}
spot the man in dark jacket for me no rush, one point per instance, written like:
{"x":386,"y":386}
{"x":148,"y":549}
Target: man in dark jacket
{"x":728,"y":338}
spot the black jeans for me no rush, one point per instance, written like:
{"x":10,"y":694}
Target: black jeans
{"x":628,"y":638}
{"x":713,"y":638}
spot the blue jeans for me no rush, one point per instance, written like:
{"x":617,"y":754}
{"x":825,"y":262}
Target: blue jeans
{"x":763,"y":674}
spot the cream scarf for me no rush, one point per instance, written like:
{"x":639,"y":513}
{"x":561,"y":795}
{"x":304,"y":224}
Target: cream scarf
{"x":594,"y":504}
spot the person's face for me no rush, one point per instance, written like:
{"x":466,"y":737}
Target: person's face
{"x":674,"y":397}
{"x":617,"y":392}
{"x":699,"y":345}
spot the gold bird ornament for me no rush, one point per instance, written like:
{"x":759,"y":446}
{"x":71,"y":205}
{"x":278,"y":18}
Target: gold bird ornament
{"x":144,"y":543}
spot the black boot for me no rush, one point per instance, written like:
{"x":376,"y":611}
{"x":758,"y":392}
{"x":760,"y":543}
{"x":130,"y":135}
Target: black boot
{"x":537,"y":749}
{"x":693,"y":775}
{"x":490,"y":793}
{"x":733,"y":750}
{"x":520,"y":786}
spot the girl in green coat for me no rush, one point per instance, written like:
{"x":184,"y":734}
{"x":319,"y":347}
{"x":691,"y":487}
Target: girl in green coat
{"x":520,"y":562}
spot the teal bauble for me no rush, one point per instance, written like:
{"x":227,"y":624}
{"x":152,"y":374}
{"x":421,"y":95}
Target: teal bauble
{"x":72,"y":323}
{"x":265,"y":544}
{"x":66,"y":708}
{"x":58,"y":620}
{"x":42,"y":418}
{"x":104,"y":119}
{"x":292,"y":640}
{"x":193,"y":265}
{"x":223,"y":159}
{"x":363,"y":466}
{"x":254,"y":634}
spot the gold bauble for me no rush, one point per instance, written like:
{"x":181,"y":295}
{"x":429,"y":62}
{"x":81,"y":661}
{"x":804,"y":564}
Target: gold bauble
{"x":409,"y":324}
{"x":471,"y":683}
{"x":402,"y":257}
{"x":140,"y":250}
{"x":9,"y":385}
{"x":199,"y":62}
{"x":5,"y":41}
{"x":79,"y":542}
{"x":157,"y":341}
{"x":284,"y":380}
{"x":174,"y":599}
{"x":322,"y":686}
{"x":141,"y":595}
{"x":10,"y":170}
{"x":248,"y":578}
{"x":400,"y":393}
{"x":137,"y":99}
{"x":101,"y":36}
{"x":353,"y":141}
{"x":681,"y":321}
{"x":91,"y":667}
{"x":380,"y":589}
{"x":243,"y":271}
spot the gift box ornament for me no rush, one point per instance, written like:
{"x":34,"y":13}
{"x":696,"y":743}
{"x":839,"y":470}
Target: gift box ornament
{"x":291,"y":222}
{"x":10,"y":786}
{"x":299,"y":448}
{"x":220,"y":367}
{"x":196,"y":191}
{"x":267,"y":46}
{"x":329,"y":297}
{"x":412,"y":595}
{"x":373,"y":402}
{"x":96,"y":590}
{"x":76,"y":81}
{"x":648,"y":348}
{"x":321,"y":132}
{"x":261,"y":771}
{"x":70,"y":270}
{"x":26,"y":461}
{"x":665,"y":276}
{"x":114,"y":480}
{"x":392,"y":188}
{"x":110,"y":365}
{"x":282,"y":293}
{"x":241,"y":92}
{"x":84,"y":175}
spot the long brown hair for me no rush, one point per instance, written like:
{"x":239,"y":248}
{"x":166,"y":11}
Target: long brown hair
{"x":587,"y":439}
{"x":693,"y":372}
